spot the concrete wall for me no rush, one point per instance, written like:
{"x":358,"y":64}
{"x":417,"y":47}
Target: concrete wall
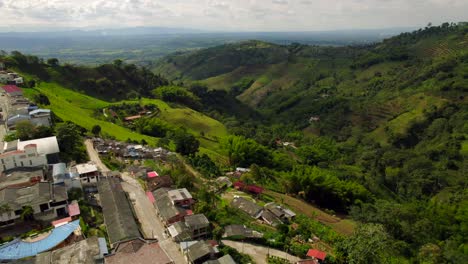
{"x":27,"y":159}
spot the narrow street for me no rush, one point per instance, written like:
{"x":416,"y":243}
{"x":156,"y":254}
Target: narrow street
{"x":94,"y":156}
{"x":151,"y":225}
{"x":259,"y":253}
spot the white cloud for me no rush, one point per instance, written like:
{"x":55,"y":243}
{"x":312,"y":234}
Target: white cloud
{"x":232,"y":15}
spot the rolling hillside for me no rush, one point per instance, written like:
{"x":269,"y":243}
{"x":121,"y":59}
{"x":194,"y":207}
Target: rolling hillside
{"x":373,"y":87}
{"x":81,"y":109}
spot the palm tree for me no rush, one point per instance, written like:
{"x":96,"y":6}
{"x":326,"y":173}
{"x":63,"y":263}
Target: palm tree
{"x":28,"y":213}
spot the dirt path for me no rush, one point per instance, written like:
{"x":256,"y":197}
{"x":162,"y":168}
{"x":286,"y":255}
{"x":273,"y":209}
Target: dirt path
{"x":259,"y":253}
{"x":94,"y":156}
{"x":343,"y":226}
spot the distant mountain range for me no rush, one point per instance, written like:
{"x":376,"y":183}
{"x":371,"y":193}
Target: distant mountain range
{"x":143,"y":45}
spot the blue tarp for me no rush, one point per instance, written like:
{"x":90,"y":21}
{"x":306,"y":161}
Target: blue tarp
{"x":18,"y":249}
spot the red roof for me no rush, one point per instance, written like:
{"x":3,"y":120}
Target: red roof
{"x":62,"y":221}
{"x":150,"y":196}
{"x":314,"y":253}
{"x":254,"y":189}
{"x":11,"y":88}
{"x":250,"y":188}
{"x":239,"y":184}
{"x":73,"y":209}
{"x":152,"y":174}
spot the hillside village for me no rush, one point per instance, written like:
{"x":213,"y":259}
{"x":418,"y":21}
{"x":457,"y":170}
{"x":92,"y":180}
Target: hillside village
{"x":138,"y":215}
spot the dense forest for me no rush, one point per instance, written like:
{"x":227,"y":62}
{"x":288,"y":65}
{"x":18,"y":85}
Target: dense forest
{"x":378,"y":132}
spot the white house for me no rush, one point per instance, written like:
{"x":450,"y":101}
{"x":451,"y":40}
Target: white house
{"x":26,"y":157}
{"x":30,"y":153}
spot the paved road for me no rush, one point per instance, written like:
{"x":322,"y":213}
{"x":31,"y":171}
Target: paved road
{"x":259,"y":253}
{"x":4,"y":104}
{"x":150,"y":223}
{"x":94,"y":156}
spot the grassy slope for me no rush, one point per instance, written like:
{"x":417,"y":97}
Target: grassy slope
{"x":79,"y":108}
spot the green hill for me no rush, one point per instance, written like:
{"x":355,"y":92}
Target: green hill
{"x":368,"y":86}
{"x":380,"y":131}
{"x":377,"y":133}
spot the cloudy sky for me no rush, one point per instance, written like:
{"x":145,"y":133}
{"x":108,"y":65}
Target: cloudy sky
{"x":243,"y":15}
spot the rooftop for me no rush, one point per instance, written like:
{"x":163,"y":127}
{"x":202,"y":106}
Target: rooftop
{"x":251,"y":208}
{"x":11,"y":89}
{"x":45,"y":146}
{"x":226,"y":259}
{"x":199,"y":250}
{"x":86,"y":168}
{"x":74,"y":209}
{"x":21,"y":176}
{"x":18,"y":249}
{"x":118,"y":214}
{"x":138,"y":251}
{"x":39,"y":193}
{"x":179,"y":231}
{"x":241,"y":231}
{"x":82,"y":252}
{"x":179,"y":194}
{"x":39,"y":111}
{"x":196,"y":221}
{"x":166,"y":209}
{"x":314,"y":253}
{"x":152,"y":174}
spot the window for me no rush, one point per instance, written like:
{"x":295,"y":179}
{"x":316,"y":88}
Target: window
{"x":55,"y":204}
{"x":22,"y":164}
{"x":31,"y":155}
{"x":22,"y":156}
{"x":30,"y":162}
{"x":44,"y":207}
{"x":3,"y":161}
{"x":4,"y":167}
{"x":18,"y":212}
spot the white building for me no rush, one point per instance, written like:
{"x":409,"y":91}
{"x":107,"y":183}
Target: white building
{"x":28,"y":157}
{"x":89,"y":173}
{"x":30,"y":153}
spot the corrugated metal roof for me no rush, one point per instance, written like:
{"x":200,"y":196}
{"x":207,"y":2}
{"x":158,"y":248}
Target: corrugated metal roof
{"x":18,"y":249}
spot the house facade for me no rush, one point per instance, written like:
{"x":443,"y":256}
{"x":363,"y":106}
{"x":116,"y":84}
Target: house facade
{"x":47,"y":201}
{"x":28,"y":157}
{"x":181,"y":197}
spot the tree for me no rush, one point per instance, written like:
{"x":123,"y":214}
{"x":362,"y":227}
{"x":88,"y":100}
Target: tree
{"x":244,"y":152}
{"x":54,"y":62}
{"x":96,"y":130}
{"x":27,"y":214}
{"x":25,"y":130}
{"x":369,"y":244}
{"x":186,"y":144}
{"x":118,"y":63}
{"x":70,"y":142}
